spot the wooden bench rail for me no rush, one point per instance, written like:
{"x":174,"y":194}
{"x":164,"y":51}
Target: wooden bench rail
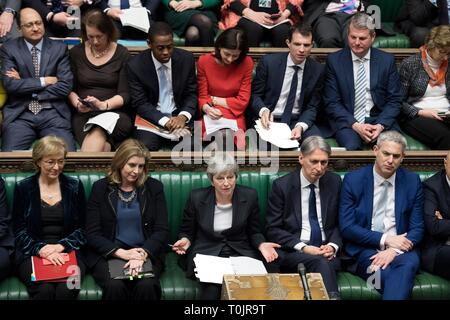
{"x":257,"y":52}
{"x":167,"y":161}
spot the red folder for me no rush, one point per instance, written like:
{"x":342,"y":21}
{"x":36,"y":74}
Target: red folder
{"x":42,"y":271}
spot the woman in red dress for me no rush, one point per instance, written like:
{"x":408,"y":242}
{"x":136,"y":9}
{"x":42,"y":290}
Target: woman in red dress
{"x":224,"y":81}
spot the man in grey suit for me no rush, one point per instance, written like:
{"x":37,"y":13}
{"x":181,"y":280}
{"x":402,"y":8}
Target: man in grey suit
{"x":37,"y":78}
{"x":8,"y":23}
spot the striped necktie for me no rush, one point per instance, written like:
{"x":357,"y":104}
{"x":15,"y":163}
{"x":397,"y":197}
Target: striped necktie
{"x":360,"y":92}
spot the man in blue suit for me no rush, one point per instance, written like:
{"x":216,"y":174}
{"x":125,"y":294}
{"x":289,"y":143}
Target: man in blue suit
{"x":37,"y":77}
{"x":302,"y":215}
{"x":381,"y":219}
{"x":276,"y":98}
{"x":362,"y":95}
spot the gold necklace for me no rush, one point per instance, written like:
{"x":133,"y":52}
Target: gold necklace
{"x":98,"y":55}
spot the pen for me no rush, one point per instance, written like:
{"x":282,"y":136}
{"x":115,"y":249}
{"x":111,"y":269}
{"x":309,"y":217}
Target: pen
{"x":170,"y":245}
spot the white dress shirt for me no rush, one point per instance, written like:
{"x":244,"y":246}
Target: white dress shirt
{"x":116,"y":4}
{"x":305,"y":234}
{"x":162,"y":122}
{"x":389,"y":218}
{"x":281,"y":104}
{"x":223,"y":217}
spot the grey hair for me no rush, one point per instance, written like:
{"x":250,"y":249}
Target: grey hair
{"x":221,"y":162}
{"x":392,"y":136}
{"x":362,"y":20}
{"x":314,"y":142}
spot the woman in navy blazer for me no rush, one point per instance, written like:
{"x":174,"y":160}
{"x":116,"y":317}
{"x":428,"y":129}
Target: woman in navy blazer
{"x":48,"y":215}
{"x":127,"y":219}
{"x":222,"y":220}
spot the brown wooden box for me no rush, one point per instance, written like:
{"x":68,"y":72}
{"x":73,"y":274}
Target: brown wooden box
{"x":273,"y":286}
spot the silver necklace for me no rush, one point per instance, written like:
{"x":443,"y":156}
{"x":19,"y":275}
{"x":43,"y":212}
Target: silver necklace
{"x":130,"y":197}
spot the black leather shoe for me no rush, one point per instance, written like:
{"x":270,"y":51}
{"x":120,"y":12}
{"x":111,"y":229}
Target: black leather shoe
{"x":334,"y":296}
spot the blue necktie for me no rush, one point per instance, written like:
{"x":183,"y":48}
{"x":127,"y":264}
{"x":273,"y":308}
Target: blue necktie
{"x":360,"y":93}
{"x":316,"y":234}
{"x":164,"y":96}
{"x":287,"y":113}
{"x":124,"y":4}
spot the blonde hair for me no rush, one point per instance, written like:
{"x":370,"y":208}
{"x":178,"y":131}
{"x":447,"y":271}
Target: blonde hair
{"x":128,"y":149}
{"x":48,"y":146}
{"x":439,"y":37}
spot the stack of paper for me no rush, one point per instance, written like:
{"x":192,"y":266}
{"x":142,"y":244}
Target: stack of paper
{"x":278,"y":134}
{"x":212,"y":268}
{"x":222,"y":123}
{"x":105,"y":120}
{"x":136,"y":18}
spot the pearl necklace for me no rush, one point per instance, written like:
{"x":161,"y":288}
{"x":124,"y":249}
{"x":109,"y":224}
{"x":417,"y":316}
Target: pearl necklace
{"x":98,"y":55}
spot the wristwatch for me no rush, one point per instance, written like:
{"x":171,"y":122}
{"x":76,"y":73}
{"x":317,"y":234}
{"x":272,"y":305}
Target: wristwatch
{"x":9,"y":10}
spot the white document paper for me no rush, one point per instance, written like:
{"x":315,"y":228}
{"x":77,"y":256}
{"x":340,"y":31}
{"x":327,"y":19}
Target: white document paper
{"x":175,"y":136}
{"x":106,"y":120}
{"x":247,"y":265}
{"x":215,"y":125}
{"x":266,"y":26}
{"x":212,"y":269}
{"x":136,"y":18}
{"x":278,"y":134}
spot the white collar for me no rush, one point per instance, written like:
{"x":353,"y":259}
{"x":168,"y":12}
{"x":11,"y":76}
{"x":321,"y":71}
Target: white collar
{"x":356,"y":58}
{"x":159,"y":64}
{"x":379,"y":179}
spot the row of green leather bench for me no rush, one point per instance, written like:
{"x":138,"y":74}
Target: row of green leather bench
{"x":174,"y":284}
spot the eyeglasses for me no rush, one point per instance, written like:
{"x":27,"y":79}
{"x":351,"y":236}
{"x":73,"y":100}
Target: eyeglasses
{"x":30,"y":25}
{"x":51,"y":163}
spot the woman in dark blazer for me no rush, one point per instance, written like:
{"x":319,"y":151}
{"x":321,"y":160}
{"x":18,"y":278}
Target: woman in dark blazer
{"x":425,"y":81}
{"x":127,"y":219}
{"x":48,"y":215}
{"x":222,"y":220}
{"x":6,"y":237}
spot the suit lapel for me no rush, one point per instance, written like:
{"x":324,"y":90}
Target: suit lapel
{"x":45,"y":56}
{"x":347,"y":65}
{"x":400,"y":197}
{"x":324,"y":196}
{"x":279,"y":78}
{"x":26,"y":54}
{"x":238,"y":207}
{"x":207,"y":208}
{"x":296,"y":197}
{"x":306,"y":76}
{"x":373,"y":71}
{"x":176,"y":67}
{"x":368,"y":196}
{"x":151,"y":79}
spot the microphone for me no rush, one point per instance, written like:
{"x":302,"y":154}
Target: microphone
{"x":302,"y":273}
